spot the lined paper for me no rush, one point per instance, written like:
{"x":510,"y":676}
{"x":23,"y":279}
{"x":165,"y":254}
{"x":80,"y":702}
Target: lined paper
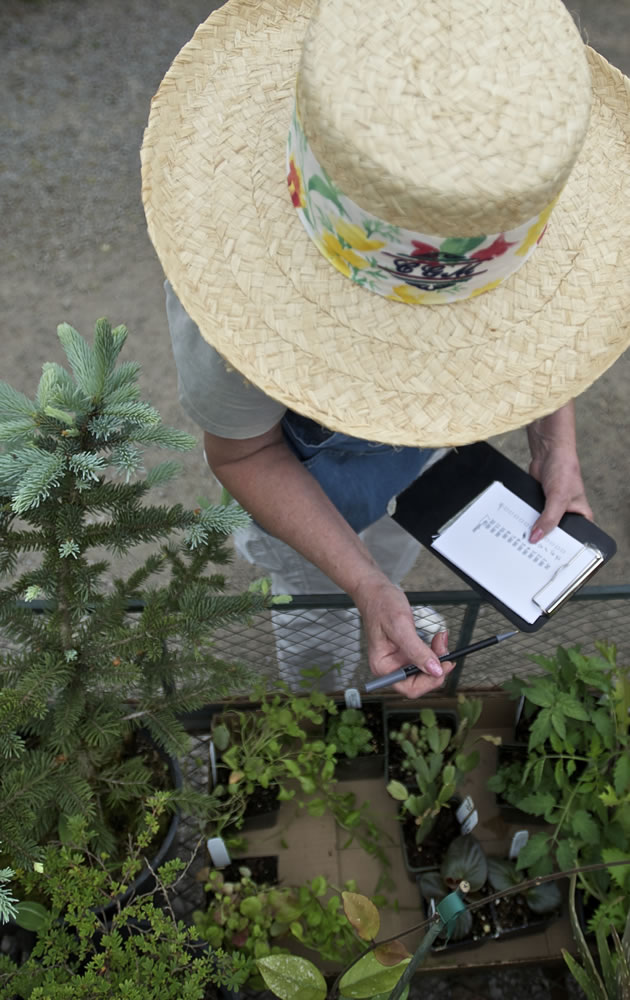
{"x":489,"y":542}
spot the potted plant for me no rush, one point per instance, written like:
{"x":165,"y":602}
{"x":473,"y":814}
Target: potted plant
{"x":464,"y":861}
{"x":359,"y":740}
{"x":529,"y":911}
{"x":577,"y":774}
{"x":258,"y":919}
{"x":611,"y":980}
{"x":372,"y":976}
{"x":141,"y":952}
{"x":264,"y":755}
{"x":439,"y":759}
{"x":89,"y":690}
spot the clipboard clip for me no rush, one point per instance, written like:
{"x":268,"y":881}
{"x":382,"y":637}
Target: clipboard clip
{"x":555,"y":599}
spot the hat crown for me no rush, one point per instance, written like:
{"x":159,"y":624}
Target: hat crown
{"x":455,"y":118}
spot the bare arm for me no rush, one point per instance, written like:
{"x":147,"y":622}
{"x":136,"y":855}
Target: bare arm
{"x":268,"y":480}
{"x":556,"y":466}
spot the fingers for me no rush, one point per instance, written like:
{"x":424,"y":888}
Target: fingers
{"x":556,"y":506}
{"x":424,"y":683}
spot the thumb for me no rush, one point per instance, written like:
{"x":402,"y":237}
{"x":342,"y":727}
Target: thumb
{"x":549,"y":519}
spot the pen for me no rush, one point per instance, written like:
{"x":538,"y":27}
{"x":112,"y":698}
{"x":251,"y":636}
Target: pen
{"x":410,"y":670}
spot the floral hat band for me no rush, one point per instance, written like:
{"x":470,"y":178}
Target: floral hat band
{"x":406,"y":266}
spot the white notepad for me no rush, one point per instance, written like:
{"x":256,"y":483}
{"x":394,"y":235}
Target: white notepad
{"x":488,"y":542}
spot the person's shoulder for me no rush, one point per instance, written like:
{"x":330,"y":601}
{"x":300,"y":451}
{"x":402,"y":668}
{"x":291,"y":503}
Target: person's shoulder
{"x":213,"y":393}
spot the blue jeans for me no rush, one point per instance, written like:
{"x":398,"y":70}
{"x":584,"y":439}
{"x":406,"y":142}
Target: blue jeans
{"x":360,"y":477}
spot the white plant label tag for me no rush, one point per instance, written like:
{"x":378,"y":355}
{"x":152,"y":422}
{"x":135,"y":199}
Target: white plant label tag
{"x":471,"y":822}
{"x":519,"y":710}
{"x":213,"y":764}
{"x":352,"y":698}
{"x":219,"y":854}
{"x":464,"y":809}
{"x":519,"y":840}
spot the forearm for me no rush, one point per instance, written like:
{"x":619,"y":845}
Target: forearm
{"x":269,"y":481}
{"x":555,"y":431}
{"x":555,"y":464}
{"x":288,"y":502}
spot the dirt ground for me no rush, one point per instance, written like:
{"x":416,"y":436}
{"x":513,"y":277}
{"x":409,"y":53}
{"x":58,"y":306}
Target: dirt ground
{"x":77,"y":77}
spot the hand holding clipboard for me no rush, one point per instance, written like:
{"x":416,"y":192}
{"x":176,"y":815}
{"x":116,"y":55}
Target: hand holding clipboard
{"x":474,"y":510}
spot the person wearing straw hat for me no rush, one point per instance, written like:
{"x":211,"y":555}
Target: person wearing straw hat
{"x":387,"y":230}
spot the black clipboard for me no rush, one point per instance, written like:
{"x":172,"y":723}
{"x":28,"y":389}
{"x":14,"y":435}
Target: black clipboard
{"x":455,"y":481}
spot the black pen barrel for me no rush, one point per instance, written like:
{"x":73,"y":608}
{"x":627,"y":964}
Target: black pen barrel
{"x":483,"y":644}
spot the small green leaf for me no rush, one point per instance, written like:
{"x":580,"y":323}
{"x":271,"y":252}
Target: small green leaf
{"x":537,"y":804}
{"x":535,"y":848}
{"x":368,"y":977}
{"x":32,"y":916}
{"x":362,"y":914}
{"x":221,"y":736}
{"x":559,"y":722}
{"x":584,"y":826}
{"x":620,"y":873}
{"x":398,"y":791}
{"x":622,"y":774}
{"x":292,"y":978}
{"x":319,"y":885}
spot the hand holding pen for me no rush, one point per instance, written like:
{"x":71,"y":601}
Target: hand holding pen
{"x":411,"y":670}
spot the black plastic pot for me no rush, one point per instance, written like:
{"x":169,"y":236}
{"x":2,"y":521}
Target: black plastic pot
{"x":369,"y":765}
{"x":532,"y":924}
{"x":446,"y":828}
{"x":394,"y":719}
{"x":145,"y":881}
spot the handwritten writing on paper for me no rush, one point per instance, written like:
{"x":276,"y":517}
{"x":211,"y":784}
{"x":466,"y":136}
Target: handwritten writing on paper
{"x":489,"y":542}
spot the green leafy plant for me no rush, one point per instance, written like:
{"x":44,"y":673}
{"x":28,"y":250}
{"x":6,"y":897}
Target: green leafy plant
{"x":464,"y":861}
{"x":384,"y":970}
{"x":142,"y":952}
{"x":371,"y":975}
{"x":280,"y":746}
{"x":350,"y":734}
{"x":438,"y":760}
{"x":276,"y":746}
{"x":540,"y":899}
{"x":260,"y":920}
{"x":611,"y":981}
{"x":577,"y":772}
{"x":81,"y":677}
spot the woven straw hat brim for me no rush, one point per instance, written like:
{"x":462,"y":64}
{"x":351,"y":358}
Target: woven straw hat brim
{"x":231,"y":244}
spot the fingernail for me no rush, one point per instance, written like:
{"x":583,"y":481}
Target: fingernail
{"x":434,"y":667}
{"x":536,"y":535}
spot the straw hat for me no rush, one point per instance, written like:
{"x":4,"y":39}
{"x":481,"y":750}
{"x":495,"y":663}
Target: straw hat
{"x":374,"y":254}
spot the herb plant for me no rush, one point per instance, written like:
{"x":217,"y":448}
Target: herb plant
{"x":277,"y":746}
{"x":577,"y":775}
{"x":350,"y":734}
{"x":81,"y":677}
{"x":438,"y":760}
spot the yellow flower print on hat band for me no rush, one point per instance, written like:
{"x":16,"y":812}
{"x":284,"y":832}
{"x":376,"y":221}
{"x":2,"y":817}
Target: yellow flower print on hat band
{"x":400,"y":264}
